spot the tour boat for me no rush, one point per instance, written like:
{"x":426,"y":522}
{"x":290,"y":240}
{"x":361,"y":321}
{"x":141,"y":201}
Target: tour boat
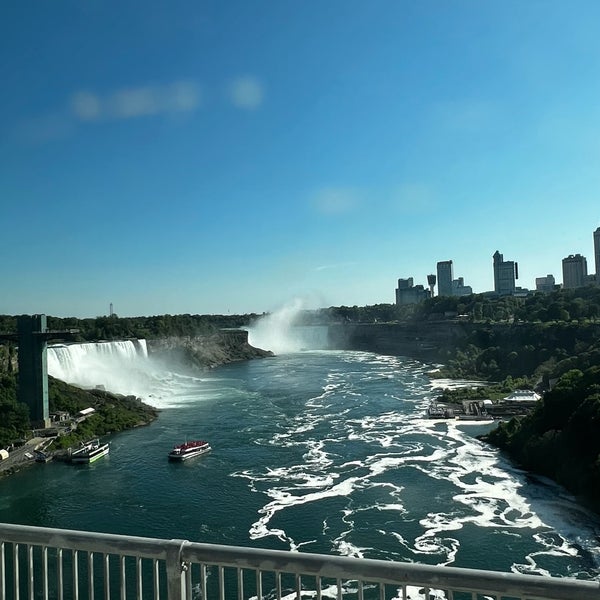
{"x":89,"y":452}
{"x":189,"y":450}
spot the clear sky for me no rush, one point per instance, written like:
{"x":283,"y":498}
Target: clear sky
{"x":228,"y":156}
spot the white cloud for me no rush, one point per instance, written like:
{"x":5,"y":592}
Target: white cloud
{"x":246,"y":93}
{"x":86,"y":106}
{"x":335,"y":266}
{"x":127,"y":103}
{"x":335,"y":201}
{"x":413,"y":198}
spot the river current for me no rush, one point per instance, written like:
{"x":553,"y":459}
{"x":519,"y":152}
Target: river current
{"x":316,"y":451}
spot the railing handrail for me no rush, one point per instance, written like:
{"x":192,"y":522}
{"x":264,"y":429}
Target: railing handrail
{"x":179,"y":552}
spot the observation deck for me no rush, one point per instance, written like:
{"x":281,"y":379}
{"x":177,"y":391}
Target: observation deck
{"x":37,"y":562}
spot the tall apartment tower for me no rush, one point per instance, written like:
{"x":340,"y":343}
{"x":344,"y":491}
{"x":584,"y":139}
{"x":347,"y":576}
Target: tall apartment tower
{"x":597,"y":253}
{"x":574,"y":269}
{"x":505,"y":274}
{"x":444,"y":278}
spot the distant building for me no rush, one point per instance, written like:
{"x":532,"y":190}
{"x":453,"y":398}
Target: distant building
{"x":505,"y":274}
{"x":444,"y":278}
{"x":460,"y":289}
{"x":545,"y":284}
{"x":522,"y":396}
{"x":574,"y":269}
{"x":597,"y":253}
{"x":407,"y":293}
{"x":431,"y":279}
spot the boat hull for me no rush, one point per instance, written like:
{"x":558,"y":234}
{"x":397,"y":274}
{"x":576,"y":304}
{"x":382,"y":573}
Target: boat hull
{"x":86,"y":456}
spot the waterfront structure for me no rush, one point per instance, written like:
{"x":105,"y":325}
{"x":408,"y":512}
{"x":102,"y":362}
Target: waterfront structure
{"x":545,"y":284}
{"x":597,"y":253}
{"x":505,"y":274}
{"x":32,"y":338}
{"x":444,"y":277}
{"x":408,"y":293}
{"x":575,"y":273}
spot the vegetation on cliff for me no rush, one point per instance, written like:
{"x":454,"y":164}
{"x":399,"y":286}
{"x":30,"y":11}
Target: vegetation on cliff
{"x":113,"y":412}
{"x":561,"y":437}
{"x":14,"y":416}
{"x":571,"y":305}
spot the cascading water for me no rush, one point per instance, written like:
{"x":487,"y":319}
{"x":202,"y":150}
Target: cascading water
{"x":121,"y":366}
{"x":124,"y":367}
{"x":281,"y":333}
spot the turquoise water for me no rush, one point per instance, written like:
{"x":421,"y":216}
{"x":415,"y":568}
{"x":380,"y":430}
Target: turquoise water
{"x":316,"y":451}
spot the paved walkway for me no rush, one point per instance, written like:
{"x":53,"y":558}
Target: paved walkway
{"x":22,"y":456}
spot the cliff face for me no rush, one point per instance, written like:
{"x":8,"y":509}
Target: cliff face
{"x":427,"y":341}
{"x":206,"y":351}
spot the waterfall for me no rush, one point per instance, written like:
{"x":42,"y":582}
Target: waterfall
{"x":121,"y":366}
{"x":281,"y":333}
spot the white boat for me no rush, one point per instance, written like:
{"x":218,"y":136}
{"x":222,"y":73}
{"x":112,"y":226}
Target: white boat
{"x":189,"y":450}
{"x":89,"y":452}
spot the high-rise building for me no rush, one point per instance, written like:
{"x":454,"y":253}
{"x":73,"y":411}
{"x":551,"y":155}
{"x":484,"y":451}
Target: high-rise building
{"x":597,"y":253}
{"x":574,"y":269}
{"x":444,"y":278}
{"x":505,"y":274}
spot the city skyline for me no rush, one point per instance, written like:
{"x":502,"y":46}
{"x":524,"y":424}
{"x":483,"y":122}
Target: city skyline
{"x":231,"y":158}
{"x":574,"y":272}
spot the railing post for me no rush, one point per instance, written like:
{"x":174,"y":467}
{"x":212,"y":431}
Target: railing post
{"x":175,"y":570}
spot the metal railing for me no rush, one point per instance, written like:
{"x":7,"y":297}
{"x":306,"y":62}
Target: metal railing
{"x":38,"y":562}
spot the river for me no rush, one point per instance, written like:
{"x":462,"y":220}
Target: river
{"x":316,"y":451}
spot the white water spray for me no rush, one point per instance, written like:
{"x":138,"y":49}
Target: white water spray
{"x":124,"y":367}
{"x":282,"y":333}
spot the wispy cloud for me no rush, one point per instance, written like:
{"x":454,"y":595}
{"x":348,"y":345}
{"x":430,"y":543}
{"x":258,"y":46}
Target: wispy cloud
{"x":127,"y":103}
{"x":335,"y":200}
{"x":413,"y":198}
{"x":335,"y":266}
{"x":246,"y":92}
{"x":406,"y":198}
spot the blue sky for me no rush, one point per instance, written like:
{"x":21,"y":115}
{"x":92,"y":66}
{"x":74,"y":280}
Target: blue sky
{"x":228,"y":157}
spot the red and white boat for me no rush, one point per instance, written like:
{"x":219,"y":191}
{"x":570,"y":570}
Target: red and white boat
{"x":189,"y":450}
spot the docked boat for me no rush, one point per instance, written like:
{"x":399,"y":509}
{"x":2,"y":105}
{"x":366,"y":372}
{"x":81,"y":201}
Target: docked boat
{"x":89,"y":452}
{"x":42,"y":457}
{"x":434,"y":411}
{"x":189,"y":450}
